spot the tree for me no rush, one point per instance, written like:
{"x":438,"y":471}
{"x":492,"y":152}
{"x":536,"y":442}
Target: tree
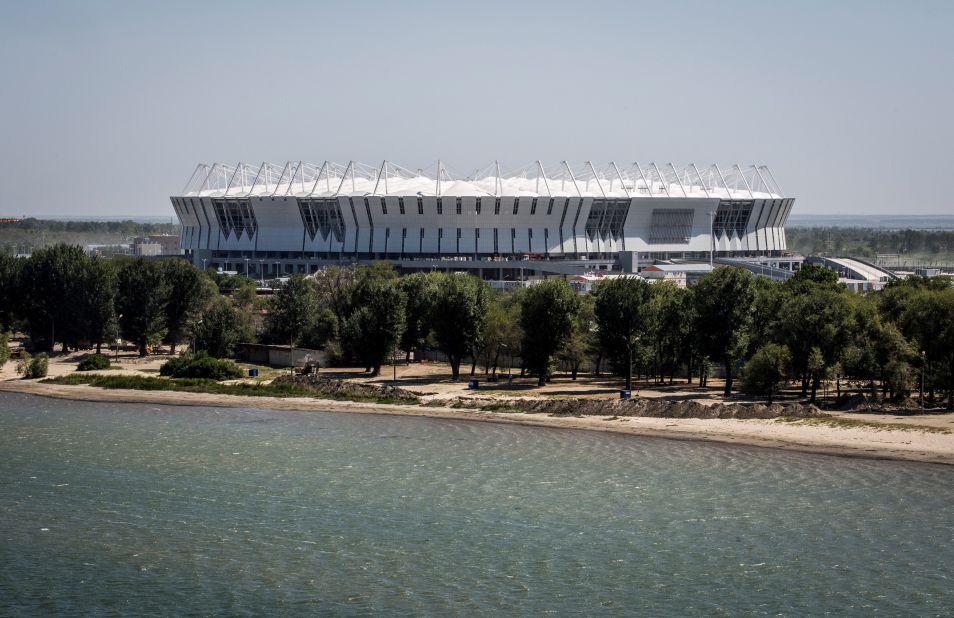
{"x":723,"y":301}
{"x":334,"y":286}
{"x":219,"y":329}
{"x":546,"y":316}
{"x":813,"y":318}
{"x":141,"y":297}
{"x":96,"y":301}
{"x":766,"y":371}
{"x":291,"y":311}
{"x":188,"y":294}
{"x":4,"y":348}
{"x":502,"y":332}
{"x":582,"y":340}
{"x":459,"y":315}
{"x":622,"y":317}
{"x":928,"y":319}
{"x":419,"y":291}
{"x":813,"y":277}
{"x":49,"y":285}
{"x":374,"y":328}
{"x":10,"y":284}
{"x":671,"y":326}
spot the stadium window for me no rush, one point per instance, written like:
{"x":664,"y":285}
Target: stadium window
{"x":495,"y":241}
{"x":440,"y":232}
{"x":367,"y":208}
{"x":401,"y":205}
{"x":384,"y":207}
{"x":404,"y":232}
{"x":533,"y":206}
{"x":422,"y":233}
{"x":420,"y":205}
{"x":550,"y":207}
{"x":497,"y":206}
{"x":458,"y":232}
{"x":516,"y":204}
{"x":440,"y":206}
{"x":459,"y":205}
{"x":478,"y":206}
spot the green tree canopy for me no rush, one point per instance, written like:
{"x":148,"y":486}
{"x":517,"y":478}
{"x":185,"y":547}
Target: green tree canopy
{"x":622,"y":317}
{"x":547,"y":315}
{"x":766,"y":371}
{"x":418,"y":288}
{"x":49,"y":285}
{"x":292,"y":311}
{"x":374,"y":328}
{"x":724,"y":300}
{"x":189,"y":293}
{"x":459,"y":315}
{"x":141,"y":297}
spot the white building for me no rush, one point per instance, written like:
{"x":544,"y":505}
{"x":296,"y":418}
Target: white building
{"x":297,"y":217}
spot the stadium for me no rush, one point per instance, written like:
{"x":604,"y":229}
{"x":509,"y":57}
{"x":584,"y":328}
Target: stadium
{"x":270,"y":220}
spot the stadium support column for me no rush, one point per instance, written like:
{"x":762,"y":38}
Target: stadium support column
{"x":712,"y":215}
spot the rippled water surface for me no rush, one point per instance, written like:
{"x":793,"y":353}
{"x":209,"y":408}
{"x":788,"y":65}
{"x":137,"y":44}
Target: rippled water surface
{"x":136,"y":509}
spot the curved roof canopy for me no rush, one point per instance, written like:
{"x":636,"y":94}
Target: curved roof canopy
{"x":330,"y":179}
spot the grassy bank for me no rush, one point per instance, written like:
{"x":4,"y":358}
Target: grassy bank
{"x":193,"y":385}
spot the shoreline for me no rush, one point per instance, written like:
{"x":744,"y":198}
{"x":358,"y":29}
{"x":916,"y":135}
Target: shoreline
{"x":869,"y":443}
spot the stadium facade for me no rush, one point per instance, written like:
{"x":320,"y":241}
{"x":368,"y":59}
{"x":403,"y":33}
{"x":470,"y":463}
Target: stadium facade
{"x":272,"y":220}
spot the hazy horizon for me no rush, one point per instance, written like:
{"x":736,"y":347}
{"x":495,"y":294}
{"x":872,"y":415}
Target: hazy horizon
{"x":111,"y":105}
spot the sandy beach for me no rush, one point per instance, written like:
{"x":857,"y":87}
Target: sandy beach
{"x":917,"y":442}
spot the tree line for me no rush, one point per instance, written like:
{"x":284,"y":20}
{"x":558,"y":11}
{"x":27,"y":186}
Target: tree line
{"x":808,"y":330}
{"x":869,"y":242}
{"x":25,"y":235}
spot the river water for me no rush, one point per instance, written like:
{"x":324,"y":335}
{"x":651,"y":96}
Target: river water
{"x":136,"y":509}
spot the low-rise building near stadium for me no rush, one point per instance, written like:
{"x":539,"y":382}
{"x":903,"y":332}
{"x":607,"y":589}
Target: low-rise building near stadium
{"x":270,"y":220}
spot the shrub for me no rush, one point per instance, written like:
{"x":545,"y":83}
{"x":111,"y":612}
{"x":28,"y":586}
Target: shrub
{"x":93,"y":362}
{"x":766,"y":370}
{"x":35,"y":367}
{"x":23,"y":363}
{"x":200,"y":365}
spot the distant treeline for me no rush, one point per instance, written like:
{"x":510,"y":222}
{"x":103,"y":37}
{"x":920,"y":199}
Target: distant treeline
{"x":869,"y":242}
{"x":25,"y":235}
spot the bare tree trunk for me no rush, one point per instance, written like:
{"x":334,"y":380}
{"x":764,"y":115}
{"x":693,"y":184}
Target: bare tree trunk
{"x":728,"y":379}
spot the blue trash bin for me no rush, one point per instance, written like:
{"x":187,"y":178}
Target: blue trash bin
{"x":473,"y":384}
{"x":625,"y":394}
{"x":253,"y":373}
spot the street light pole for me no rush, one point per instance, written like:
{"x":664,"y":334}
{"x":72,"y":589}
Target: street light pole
{"x":246,"y":268}
{"x":921,"y":390}
{"x":261,"y":271}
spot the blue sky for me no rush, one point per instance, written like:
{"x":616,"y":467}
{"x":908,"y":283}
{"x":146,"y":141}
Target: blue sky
{"x":106,"y":107}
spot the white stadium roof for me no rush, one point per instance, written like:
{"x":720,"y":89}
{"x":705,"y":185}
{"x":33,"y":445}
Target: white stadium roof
{"x":329,"y":179}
